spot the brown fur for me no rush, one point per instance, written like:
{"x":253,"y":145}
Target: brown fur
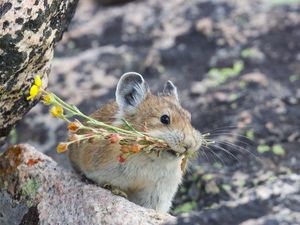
{"x":101,"y":157}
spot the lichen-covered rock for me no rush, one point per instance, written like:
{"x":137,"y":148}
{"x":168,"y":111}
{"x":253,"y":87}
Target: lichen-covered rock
{"x":34,"y":190}
{"x":29,"y":31}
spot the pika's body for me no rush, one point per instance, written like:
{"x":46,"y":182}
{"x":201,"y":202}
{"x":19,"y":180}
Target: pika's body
{"x":147,"y":179}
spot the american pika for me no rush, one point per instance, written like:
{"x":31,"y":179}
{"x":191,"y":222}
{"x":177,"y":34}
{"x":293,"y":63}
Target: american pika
{"x":147,"y":179}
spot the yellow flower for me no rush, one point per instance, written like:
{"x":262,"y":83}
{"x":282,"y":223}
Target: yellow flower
{"x":34,"y":90}
{"x":38,"y":81}
{"x":62,"y":147}
{"x":47,"y":99}
{"x":57,"y":111}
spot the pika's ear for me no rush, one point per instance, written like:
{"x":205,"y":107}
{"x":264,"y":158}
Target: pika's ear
{"x":131,"y":91}
{"x":170,"y":90}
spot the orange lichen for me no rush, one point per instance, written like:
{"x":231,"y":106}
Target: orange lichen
{"x":10,"y":160}
{"x":32,"y":162}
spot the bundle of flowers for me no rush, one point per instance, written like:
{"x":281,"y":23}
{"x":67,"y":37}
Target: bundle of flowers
{"x":131,"y":140}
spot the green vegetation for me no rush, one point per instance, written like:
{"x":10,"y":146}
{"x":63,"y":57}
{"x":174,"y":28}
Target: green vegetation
{"x":218,"y":165}
{"x":250,"y":134}
{"x":294,"y":77}
{"x":208,"y":177}
{"x":263,"y":148}
{"x":284,"y":2}
{"x":13,"y":136}
{"x":278,"y":150}
{"x":233,"y":97}
{"x":272,"y":178}
{"x":221,"y":75}
{"x":226,"y":187}
{"x":241,"y":183}
{"x":252,"y":53}
{"x":186,"y":207}
{"x":213,"y":206}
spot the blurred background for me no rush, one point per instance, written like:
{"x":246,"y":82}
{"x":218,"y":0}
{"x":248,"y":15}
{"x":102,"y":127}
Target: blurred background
{"x":236,"y":64}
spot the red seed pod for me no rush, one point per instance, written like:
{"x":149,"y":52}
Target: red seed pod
{"x":121,"y":159}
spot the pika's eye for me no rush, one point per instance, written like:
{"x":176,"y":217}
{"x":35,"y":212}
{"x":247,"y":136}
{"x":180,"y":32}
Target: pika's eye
{"x":165,"y":119}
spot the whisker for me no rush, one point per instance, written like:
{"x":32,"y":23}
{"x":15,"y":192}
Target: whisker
{"x":236,"y":147}
{"x":204,"y":153}
{"x":231,"y":127}
{"x":227,"y":151}
{"x":239,"y":141}
{"x":215,"y":155}
{"x":221,"y":128}
{"x":232,"y":134}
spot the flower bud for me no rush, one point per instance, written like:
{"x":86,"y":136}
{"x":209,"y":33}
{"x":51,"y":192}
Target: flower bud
{"x":62,"y":147}
{"x":135,"y":148}
{"x":73,"y":127}
{"x":113,"y":138}
{"x":125,"y":148}
{"x":57,"y":111}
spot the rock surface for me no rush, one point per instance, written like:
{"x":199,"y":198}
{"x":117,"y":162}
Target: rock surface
{"x":29,"y":31}
{"x":35,"y":190}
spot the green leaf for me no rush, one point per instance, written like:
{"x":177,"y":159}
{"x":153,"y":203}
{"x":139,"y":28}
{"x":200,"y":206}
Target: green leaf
{"x":238,"y":67}
{"x":208,"y":177}
{"x":241,"y":183}
{"x":278,"y":150}
{"x":263,"y":148}
{"x":226,"y":187}
{"x":186,"y":207}
{"x":294,"y":78}
{"x":250,"y":134}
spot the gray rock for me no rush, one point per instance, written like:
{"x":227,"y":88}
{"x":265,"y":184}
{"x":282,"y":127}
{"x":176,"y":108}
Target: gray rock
{"x":34,"y":190}
{"x":29,"y":31}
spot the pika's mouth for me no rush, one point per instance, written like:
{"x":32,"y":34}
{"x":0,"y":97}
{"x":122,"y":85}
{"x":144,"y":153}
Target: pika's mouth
{"x":173,"y":153}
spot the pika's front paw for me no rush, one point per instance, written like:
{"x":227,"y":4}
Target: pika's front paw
{"x":115,"y":190}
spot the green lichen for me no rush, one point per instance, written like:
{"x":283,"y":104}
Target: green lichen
{"x":29,"y":191}
{"x":30,"y":188}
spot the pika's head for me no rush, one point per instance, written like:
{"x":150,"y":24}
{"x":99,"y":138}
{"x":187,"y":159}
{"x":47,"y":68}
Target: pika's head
{"x":160,"y":116}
